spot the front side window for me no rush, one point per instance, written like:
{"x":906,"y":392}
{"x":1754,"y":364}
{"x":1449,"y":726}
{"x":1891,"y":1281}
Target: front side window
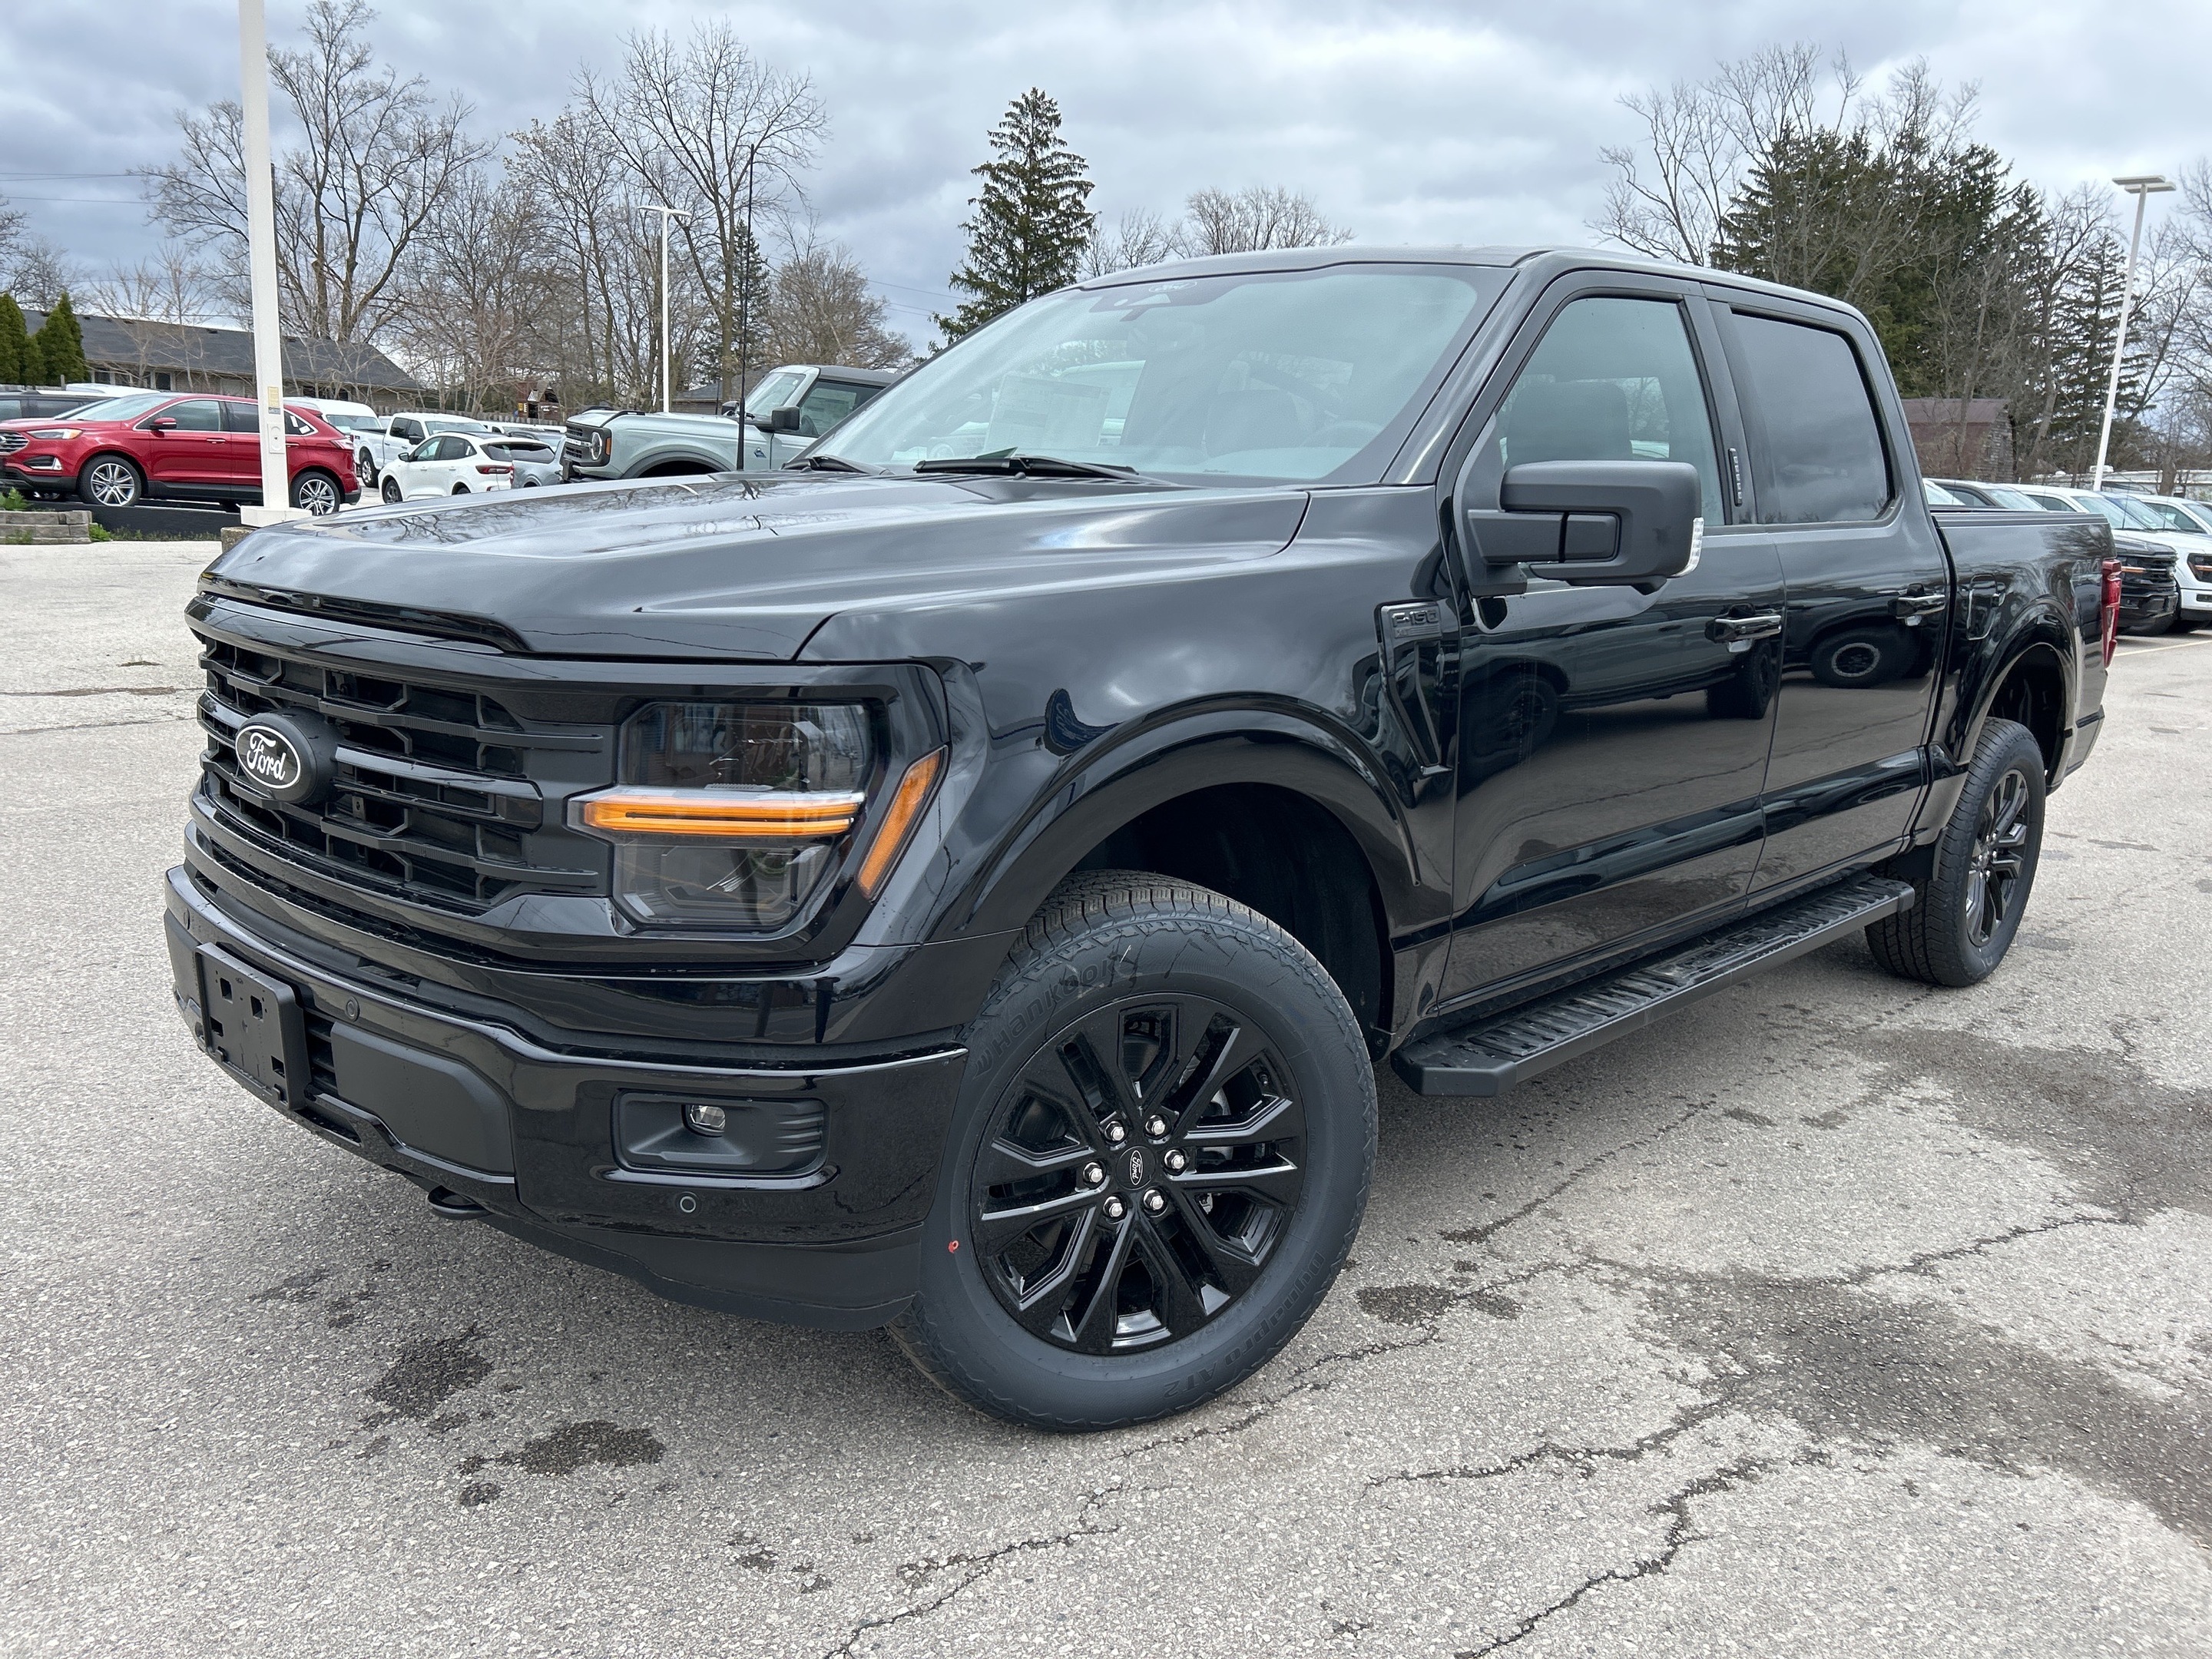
{"x":1613,"y":379}
{"x":825,"y":404}
{"x":195,"y":415}
{"x":1820,"y":459}
{"x":1289,"y":376}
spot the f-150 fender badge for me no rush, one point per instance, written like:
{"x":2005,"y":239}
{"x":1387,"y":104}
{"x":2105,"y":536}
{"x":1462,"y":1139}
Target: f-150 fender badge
{"x":286,"y":756}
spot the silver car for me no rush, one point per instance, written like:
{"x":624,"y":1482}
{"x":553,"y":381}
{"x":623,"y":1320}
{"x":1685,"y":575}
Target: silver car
{"x":536,"y":462}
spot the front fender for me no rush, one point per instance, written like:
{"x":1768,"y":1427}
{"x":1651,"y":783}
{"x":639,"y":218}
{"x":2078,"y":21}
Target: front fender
{"x":1108,"y":786}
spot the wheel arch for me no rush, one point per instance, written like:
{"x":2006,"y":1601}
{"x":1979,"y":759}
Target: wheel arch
{"x":676,"y":466}
{"x":1292,"y":819}
{"x":2032,"y":682}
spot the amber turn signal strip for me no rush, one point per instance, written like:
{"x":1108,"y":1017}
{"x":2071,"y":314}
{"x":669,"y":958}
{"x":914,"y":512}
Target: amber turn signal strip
{"x":778,"y":815}
{"x":898,"y":826}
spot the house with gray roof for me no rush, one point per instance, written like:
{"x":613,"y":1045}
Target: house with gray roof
{"x":194,"y":357}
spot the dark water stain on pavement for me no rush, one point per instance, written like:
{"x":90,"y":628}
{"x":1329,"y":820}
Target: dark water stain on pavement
{"x":427,"y":1372}
{"x":570,"y":1446}
{"x":1405,"y":1305}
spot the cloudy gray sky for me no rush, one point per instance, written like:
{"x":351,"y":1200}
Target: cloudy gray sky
{"x":1409,"y":122}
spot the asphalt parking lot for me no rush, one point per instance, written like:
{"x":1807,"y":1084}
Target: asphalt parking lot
{"x":1836,"y":1315}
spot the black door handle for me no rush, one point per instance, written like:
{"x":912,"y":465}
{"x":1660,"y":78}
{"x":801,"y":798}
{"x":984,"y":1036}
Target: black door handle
{"x":1740,"y":630}
{"x":1919,"y":604}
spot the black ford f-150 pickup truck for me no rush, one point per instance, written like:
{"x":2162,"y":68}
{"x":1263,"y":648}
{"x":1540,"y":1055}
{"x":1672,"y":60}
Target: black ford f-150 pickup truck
{"x":964,"y":882}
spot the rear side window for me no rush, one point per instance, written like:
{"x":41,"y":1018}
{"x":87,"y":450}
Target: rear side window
{"x":1819,"y":459}
{"x":242,"y":417}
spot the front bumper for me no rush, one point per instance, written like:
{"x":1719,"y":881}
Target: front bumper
{"x":529,"y":1134}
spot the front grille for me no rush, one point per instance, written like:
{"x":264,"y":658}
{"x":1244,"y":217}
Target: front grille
{"x":438,"y":796}
{"x":11,"y":441}
{"x":585,"y":445}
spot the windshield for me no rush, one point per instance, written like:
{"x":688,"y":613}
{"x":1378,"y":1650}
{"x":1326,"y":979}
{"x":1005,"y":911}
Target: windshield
{"x":2133,"y":514}
{"x":774,"y":393}
{"x":1276,"y":376}
{"x":2001,"y":496}
{"x":122,"y":409}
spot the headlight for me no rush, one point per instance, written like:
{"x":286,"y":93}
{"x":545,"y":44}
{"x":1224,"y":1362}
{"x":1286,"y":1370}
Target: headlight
{"x":732,"y":814}
{"x":58,"y":432}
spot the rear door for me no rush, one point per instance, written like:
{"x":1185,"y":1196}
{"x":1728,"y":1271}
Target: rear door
{"x":241,"y":425}
{"x":1613,"y":743}
{"x":1869,"y":585}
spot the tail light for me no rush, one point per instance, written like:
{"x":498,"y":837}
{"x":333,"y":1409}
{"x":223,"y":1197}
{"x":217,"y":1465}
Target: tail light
{"x":495,"y":466}
{"x":2110,"y":609}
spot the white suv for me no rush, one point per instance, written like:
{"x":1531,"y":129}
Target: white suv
{"x":2189,"y":530}
{"x":448,"y":463}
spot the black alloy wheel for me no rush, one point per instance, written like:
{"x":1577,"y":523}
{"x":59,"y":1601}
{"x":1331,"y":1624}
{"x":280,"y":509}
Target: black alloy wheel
{"x":1971,"y":887}
{"x":1158,"y":1160}
{"x":1145,"y":1163}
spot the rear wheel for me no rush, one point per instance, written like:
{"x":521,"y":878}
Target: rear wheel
{"x":1160,"y":1159}
{"x":364,"y":467}
{"x":111,"y":480}
{"x":316,"y":492}
{"x":1967,"y":907}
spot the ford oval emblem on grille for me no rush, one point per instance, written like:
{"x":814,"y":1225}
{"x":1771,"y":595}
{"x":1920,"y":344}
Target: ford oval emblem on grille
{"x":286,"y":756}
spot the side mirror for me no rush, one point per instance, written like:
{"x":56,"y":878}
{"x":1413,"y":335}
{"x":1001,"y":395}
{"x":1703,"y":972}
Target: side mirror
{"x":164,"y":423}
{"x":783,"y":420}
{"x":1593,"y":524}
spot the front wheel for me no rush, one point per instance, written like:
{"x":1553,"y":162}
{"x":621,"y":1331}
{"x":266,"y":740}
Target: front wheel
{"x":1967,"y":907}
{"x":112,"y":481}
{"x":1160,"y":1159}
{"x":393,"y":492}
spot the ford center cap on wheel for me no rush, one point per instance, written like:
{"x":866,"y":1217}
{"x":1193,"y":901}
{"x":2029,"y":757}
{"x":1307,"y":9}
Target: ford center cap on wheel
{"x":286,"y":756}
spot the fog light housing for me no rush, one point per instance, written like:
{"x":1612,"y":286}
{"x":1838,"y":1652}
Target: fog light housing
{"x":704,"y":1117}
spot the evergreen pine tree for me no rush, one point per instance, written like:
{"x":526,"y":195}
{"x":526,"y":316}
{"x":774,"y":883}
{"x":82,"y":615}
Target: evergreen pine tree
{"x":1032,"y":220}
{"x":15,"y":345}
{"x":60,"y":345}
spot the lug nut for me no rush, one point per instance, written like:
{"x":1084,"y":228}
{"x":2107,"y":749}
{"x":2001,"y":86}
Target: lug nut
{"x":1116,"y":1133}
{"x":1093,"y":1174}
{"x":1156,"y":1124}
{"x":1115,"y":1209}
{"x":1176,"y":1162}
{"x":1155,"y":1203}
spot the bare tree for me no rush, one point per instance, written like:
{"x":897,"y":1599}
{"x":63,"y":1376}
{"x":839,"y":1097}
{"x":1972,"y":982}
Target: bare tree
{"x":11,"y":234}
{"x":820,"y":311}
{"x":1250,"y":220}
{"x":172,"y":285}
{"x":39,"y":273}
{"x":1139,"y":237}
{"x":378,"y":155}
{"x":708,"y":128}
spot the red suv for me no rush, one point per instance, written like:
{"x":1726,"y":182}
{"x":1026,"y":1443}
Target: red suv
{"x":168,"y":446}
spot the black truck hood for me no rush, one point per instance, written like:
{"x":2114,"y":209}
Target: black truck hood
{"x":727,"y":567}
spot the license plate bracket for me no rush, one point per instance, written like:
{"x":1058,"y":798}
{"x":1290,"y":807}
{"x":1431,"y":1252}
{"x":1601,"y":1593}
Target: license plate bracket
{"x":254,"y":1025}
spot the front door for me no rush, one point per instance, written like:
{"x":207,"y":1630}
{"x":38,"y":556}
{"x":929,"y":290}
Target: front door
{"x":1613,"y":743}
{"x":1869,"y":590}
{"x":193,"y":453}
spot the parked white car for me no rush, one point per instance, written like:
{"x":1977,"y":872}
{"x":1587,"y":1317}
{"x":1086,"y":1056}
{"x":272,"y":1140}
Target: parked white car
{"x":448,"y":464}
{"x":377,"y":448}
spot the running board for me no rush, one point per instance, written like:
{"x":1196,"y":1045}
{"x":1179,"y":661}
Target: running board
{"x":1492,"y":1055}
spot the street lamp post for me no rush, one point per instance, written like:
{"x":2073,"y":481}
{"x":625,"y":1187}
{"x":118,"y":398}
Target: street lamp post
{"x":2143,"y":189}
{"x":666,"y":215}
{"x":261,"y":266}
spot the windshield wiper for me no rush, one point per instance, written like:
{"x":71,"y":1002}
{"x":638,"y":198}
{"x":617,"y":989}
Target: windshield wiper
{"x":1028,"y":466}
{"x":823,"y":463}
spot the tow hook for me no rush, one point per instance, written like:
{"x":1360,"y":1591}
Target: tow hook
{"x":445,"y":1201}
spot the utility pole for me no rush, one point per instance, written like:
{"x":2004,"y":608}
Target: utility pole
{"x":261,"y":262}
{"x":2143,"y":189}
{"x":666,"y":214}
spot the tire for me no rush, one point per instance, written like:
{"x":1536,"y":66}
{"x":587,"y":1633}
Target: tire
{"x":392,"y":492}
{"x":1123,"y":970}
{"x":460,"y":490}
{"x":364,"y":468}
{"x":1857,"y":657}
{"x":318,"y":492}
{"x":1967,"y":907}
{"x":112,"y":481}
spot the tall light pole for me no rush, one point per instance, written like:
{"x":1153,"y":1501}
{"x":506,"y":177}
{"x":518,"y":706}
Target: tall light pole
{"x":261,"y":265}
{"x":2143,"y":189}
{"x":667,"y":215}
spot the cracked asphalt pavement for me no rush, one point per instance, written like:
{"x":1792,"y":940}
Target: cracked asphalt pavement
{"x":1836,"y":1315}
